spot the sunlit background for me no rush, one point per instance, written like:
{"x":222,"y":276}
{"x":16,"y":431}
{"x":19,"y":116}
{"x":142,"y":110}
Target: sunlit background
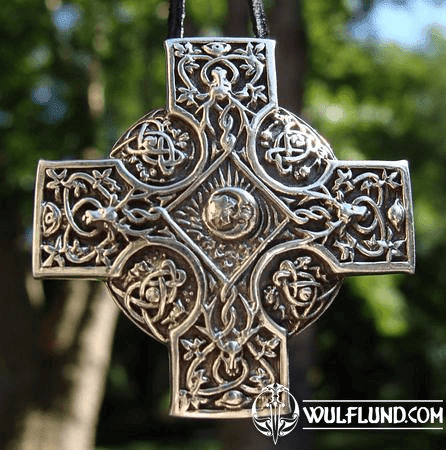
{"x":76,"y":74}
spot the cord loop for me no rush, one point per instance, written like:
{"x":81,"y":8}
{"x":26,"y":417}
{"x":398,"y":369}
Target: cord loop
{"x":177,"y":14}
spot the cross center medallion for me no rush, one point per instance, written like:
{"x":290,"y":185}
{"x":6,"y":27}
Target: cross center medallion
{"x":222,"y":224}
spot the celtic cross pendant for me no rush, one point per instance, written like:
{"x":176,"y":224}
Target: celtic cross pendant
{"x":222,"y":224}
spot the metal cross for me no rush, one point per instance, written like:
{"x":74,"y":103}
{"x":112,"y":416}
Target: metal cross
{"x":222,"y":224}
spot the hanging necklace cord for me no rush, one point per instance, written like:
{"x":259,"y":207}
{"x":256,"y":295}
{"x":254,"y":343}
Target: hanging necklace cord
{"x":258,"y":18}
{"x":177,"y":14}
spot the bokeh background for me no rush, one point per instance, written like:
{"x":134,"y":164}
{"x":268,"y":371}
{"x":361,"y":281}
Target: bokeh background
{"x":369,"y":75}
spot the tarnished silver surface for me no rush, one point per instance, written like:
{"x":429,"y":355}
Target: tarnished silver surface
{"x":223,"y":224}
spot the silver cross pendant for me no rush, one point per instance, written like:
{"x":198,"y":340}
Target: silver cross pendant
{"x":222,"y":224}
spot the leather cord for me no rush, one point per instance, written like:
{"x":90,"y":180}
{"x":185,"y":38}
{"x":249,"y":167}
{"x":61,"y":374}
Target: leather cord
{"x":177,"y":14}
{"x":258,"y":18}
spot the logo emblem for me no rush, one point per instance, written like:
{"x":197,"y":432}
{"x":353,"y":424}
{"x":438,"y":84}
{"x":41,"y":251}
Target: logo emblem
{"x":268,"y":409}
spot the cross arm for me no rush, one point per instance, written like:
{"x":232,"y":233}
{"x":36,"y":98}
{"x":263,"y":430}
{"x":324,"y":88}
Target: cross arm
{"x":87,"y":214}
{"x":359,"y":217}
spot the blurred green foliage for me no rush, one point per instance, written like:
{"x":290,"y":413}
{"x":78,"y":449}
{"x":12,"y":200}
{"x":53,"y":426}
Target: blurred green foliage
{"x":75,"y":75}
{"x":385,"y":337}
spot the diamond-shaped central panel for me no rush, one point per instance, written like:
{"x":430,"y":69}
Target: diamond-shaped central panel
{"x":228,"y":217}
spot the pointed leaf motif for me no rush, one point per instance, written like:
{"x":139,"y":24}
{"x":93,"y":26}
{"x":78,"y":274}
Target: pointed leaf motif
{"x":270,"y":345}
{"x":366,"y":186}
{"x":57,"y":183}
{"x":346,"y":247}
{"x":267,"y":347}
{"x":396,"y":251}
{"x":55,"y":176}
{"x":56,"y":252}
{"x":79,"y":188}
{"x":390,"y":180}
{"x":180,"y":50}
{"x":104,"y":178}
{"x":396,"y":214}
{"x":343,"y":181}
{"x":192,"y":347}
{"x":302,"y":262}
{"x":187,"y":95}
{"x":177,"y":311}
{"x":248,"y":68}
{"x":196,"y":401}
{"x":259,"y":48}
{"x":372,"y":243}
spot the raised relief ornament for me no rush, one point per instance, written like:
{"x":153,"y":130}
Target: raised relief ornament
{"x":222,"y":224}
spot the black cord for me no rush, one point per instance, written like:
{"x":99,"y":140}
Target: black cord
{"x":177,"y":14}
{"x":258,"y":18}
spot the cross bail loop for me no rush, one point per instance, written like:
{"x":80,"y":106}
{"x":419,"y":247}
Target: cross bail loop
{"x":177,"y":14}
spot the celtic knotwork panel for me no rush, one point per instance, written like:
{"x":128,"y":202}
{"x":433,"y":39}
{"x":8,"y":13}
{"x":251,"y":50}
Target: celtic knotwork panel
{"x":161,"y":150}
{"x":160,"y":287}
{"x":287,"y":153}
{"x":295,"y":286}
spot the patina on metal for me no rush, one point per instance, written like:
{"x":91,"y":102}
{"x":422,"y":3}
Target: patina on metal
{"x":222,"y":224}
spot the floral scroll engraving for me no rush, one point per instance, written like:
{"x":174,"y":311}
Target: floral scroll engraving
{"x":357,"y":214}
{"x":80,"y":217}
{"x":230,"y":355}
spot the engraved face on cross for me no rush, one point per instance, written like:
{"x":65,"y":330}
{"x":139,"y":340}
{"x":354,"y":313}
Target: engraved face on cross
{"x":222,"y":224}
